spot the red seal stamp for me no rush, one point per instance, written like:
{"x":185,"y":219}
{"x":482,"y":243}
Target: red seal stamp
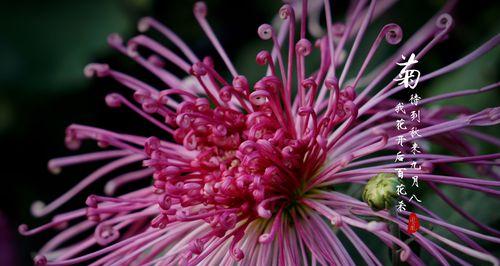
{"x":413,"y":223}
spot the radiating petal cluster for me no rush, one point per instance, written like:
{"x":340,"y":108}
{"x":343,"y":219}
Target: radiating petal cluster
{"x":247,"y":172}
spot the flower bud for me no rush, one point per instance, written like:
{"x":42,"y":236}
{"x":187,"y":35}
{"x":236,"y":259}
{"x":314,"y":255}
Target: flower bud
{"x":381,"y":191}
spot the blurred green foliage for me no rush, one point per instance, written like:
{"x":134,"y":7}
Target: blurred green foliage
{"x":46,"y":44}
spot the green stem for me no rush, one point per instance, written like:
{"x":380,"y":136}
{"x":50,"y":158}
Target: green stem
{"x":394,"y":227}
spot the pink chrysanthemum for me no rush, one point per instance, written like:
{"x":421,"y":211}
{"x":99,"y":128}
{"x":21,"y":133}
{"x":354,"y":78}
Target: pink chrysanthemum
{"x":250,"y":174}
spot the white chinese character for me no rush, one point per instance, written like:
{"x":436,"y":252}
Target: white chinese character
{"x":415,"y":115}
{"x":414,"y":165}
{"x":400,"y":157}
{"x":400,"y":124}
{"x":400,"y":140}
{"x":400,"y":108}
{"x":414,"y":99}
{"x":401,"y":206}
{"x":400,"y":172}
{"x":408,"y":77}
{"x":400,"y":189}
{"x":413,"y":196}
{"x":415,"y":148}
{"x":414,"y":133}
{"x":415,"y":181}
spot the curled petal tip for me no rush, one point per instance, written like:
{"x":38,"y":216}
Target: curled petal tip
{"x":237,"y":254}
{"x":196,"y":246}
{"x":40,"y":260}
{"x":393,"y":33}
{"x":23,"y":229}
{"x":263,"y":212}
{"x":336,"y":221}
{"x":110,"y":188}
{"x":156,"y":61}
{"x":132,"y":48}
{"x":444,"y":21}
{"x":54,"y":169}
{"x":200,"y":9}
{"x":93,"y":69}
{"x":338,"y":29}
{"x":115,"y":39}
{"x":72,"y":140}
{"x":331,"y":83}
{"x":404,"y":255}
{"x":263,"y":57}
{"x":240,"y":83}
{"x":309,"y":83}
{"x":351,"y":108}
{"x":113,"y":100}
{"x":265,"y":238}
{"x":165,"y":202}
{"x":141,"y":96}
{"x":72,"y":143}
{"x":105,"y":234}
{"x":225,"y":94}
{"x":304,"y":110}
{"x":143,"y":24}
{"x":285,"y":11}
{"x":303,"y":47}
{"x":91,"y":201}
{"x":265,"y":31}
{"x":259,"y":97}
{"x":37,"y":208}
{"x":198,"y":69}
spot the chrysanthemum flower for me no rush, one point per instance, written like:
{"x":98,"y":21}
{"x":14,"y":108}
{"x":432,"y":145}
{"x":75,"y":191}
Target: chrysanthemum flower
{"x":247,"y":173}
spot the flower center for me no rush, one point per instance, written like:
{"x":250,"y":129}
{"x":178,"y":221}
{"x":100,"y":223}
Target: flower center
{"x":242,"y":165}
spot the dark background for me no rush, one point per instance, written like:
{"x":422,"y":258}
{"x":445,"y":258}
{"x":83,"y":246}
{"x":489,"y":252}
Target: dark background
{"x":44,"y":46}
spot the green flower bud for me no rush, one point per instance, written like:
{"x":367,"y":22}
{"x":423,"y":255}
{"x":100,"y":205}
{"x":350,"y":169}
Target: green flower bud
{"x":381,"y":191}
